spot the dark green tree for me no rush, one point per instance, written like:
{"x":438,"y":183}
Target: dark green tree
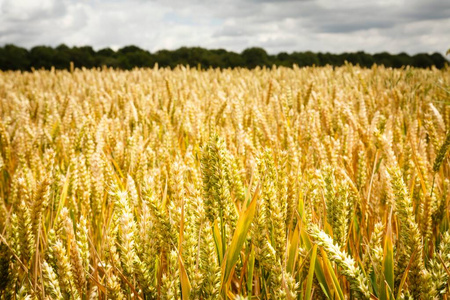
{"x":106,"y":57}
{"x":255,"y":57}
{"x":62,"y":57}
{"x":83,"y":57}
{"x":128,"y":57}
{"x":422,"y":60}
{"x":439,"y":61}
{"x":14,"y":58}
{"x":42,"y":57}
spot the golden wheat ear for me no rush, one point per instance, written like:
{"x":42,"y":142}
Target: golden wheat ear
{"x":272,"y":183}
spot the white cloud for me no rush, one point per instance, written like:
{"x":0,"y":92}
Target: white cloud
{"x":23,"y":10}
{"x":317,"y":25}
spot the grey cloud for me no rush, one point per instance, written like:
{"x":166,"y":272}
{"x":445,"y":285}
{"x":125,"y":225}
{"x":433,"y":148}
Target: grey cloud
{"x":322,"y":18}
{"x":13,"y":11}
{"x":276,"y":25}
{"x":430,"y":10}
{"x":372,"y":16}
{"x":279,"y":1}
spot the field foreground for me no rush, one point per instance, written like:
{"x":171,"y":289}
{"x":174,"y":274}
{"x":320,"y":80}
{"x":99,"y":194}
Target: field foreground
{"x":307,"y":183}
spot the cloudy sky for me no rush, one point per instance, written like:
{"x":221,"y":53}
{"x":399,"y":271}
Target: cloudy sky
{"x":410,"y":26}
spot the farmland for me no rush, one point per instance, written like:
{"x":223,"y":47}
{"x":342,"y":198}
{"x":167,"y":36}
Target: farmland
{"x":273,"y":183}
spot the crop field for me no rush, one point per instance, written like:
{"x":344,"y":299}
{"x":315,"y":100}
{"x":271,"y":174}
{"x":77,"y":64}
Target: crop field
{"x":302,"y":183}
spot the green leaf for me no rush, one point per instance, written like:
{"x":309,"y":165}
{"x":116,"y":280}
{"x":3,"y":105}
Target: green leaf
{"x":310,"y":277}
{"x":320,"y":275}
{"x":239,"y":236}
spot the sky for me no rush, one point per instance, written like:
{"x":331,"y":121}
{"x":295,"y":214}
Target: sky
{"x":410,"y":26}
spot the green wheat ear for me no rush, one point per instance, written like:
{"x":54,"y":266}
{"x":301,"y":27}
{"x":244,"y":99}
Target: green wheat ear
{"x":51,"y":282}
{"x":442,"y":152}
{"x":350,"y":269}
{"x":439,"y":265}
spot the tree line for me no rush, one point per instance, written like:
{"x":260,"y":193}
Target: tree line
{"x":17,"y":58}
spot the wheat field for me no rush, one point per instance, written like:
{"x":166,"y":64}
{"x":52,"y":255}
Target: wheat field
{"x":302,"y":183}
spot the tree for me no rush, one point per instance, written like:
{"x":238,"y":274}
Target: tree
{"x":438,"y":60}
{"x":128,"y":57}
{"x":106,"y":57}
{"x":83,"y":57}
{"x":422,"y":60}
{"x":62,"y":57}
{"x":303,"y":59}
{"x":42,"y":57}
{"x":255,"y":57}
{"x":14,"y":58}
{"x":365,"y":60}
{"x":129,"y":49}
{"x":383,"y":58}
{"x":400,"y":60}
